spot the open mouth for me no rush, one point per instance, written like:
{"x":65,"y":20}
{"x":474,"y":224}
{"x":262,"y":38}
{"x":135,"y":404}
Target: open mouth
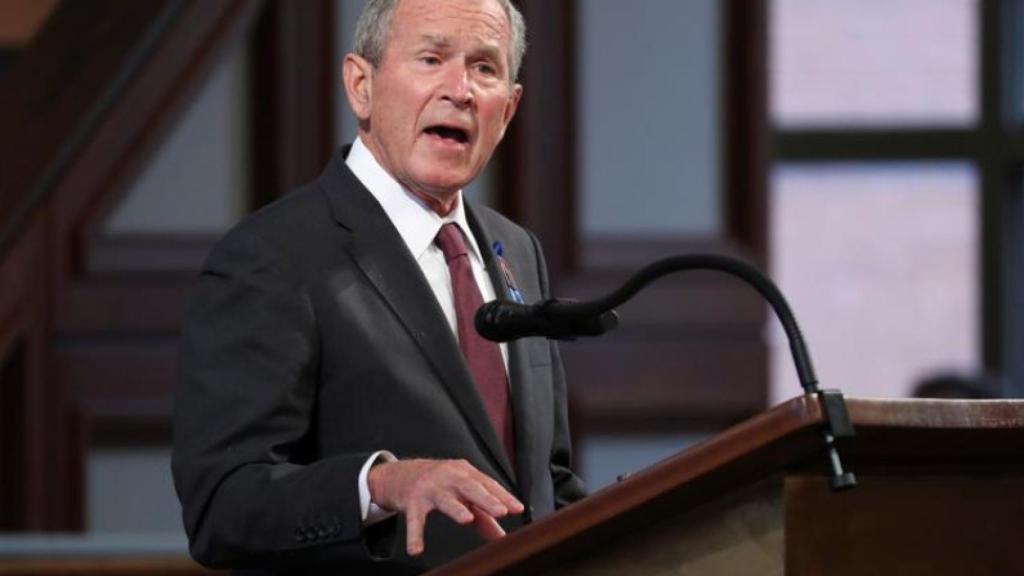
{"x":449,"y":134}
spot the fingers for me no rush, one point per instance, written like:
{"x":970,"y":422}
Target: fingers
{"x":415,"y":517}
{"x":498,"y":491}
{"x":451,"y":507}
{"x":453,"y":487}
{"x":487,"y":526}
{"x":477,"y":494}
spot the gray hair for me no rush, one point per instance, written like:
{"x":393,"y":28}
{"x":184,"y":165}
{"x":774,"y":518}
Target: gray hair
{"x":374,"y":26}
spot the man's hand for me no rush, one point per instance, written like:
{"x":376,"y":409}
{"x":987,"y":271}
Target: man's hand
{"x":453,"y":487}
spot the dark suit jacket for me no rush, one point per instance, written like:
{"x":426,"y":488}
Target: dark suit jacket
{"x":314,"y":340}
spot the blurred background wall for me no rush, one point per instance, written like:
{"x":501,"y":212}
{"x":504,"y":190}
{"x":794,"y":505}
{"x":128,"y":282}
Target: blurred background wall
{"x":866,"y":154}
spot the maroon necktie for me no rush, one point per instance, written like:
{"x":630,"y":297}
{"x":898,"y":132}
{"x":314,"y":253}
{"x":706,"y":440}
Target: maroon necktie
{"x":483,"y":356}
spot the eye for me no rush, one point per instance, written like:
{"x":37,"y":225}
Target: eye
{"x":430,"y":60}
{"x":486,"y":68}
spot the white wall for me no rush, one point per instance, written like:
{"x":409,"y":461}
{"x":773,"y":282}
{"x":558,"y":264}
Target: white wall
{"x":130,"y":490}
{"x":648,"y":117}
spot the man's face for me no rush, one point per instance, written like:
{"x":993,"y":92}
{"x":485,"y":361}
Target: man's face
{"x":439,"y":103}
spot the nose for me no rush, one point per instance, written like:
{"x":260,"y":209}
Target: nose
{"x":458,"y":88}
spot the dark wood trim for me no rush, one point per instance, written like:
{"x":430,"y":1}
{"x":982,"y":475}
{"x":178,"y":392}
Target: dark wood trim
{"x":7,"y":57}
{"x":120,"y":306}
{"x":12,"y":387}
{"x":903,"y":440}
{"x":877,"y":144}
{"x":146,"y":106}
{"x":537,"y":161}
{"x":43,"y":494}
{"x":997,"y":186}
{"x":686,"y":339}
{"x":1012,"y":105}
{"x":59,"y":89}
{"x":98,"y":90}
{"x":745,"y":151}
{"x":145,"y":112}
{"x":636,"y":382}
{"x":143,"y":307}
{"x":136,"y":255}
{"x":95,"y":374}
{"x":689,"y":354}
{"x":1013,"y":278}
{"x":100,"y":564}
{"x":123,"y":314}
{"x":292,"y":75}
{"x":1001,"y":157}
{"x":23,"y":20}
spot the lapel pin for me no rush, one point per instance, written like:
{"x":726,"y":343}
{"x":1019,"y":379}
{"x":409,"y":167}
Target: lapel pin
{"x":506,"y":270}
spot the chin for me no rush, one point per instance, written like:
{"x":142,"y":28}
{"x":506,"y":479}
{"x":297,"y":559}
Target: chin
{"x":446,"y":181}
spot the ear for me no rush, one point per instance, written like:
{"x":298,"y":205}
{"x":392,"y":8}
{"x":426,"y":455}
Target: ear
{"x":357,"y":74}
{"x":511,"y":107}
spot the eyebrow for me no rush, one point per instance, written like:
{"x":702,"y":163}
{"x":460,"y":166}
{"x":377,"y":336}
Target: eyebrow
{"x":441,"y":41}
{"x":435,"y":40}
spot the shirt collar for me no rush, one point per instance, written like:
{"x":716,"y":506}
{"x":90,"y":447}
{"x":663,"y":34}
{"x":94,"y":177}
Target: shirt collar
{"x":417,"y":224}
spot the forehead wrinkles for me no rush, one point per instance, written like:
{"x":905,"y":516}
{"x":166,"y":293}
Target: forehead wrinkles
{"x":415,"y":19}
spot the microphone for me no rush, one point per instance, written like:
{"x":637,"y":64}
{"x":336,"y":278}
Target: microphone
{"x":504,"y":320}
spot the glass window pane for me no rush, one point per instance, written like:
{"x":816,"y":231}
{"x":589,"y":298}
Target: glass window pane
{"x":873,"y":62}
{"x":879,"y":262}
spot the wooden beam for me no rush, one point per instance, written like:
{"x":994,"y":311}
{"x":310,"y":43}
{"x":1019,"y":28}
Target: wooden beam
{"x":59,"y":89}
{"x":34,"y":448}
{"x":293,"y":74}
{"x":745,"y":152}
{"x":537,"y":161}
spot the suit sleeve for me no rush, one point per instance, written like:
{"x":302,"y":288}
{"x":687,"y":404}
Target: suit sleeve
{"x":568,"y":487}
{"x":244,"y":424}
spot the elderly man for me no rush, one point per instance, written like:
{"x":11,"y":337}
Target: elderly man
{"x":336,"y":409}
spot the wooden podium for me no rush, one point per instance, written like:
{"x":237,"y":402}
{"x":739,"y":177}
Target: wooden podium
{"x":940,"y":491}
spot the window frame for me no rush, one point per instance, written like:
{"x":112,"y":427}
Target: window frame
{"x":994,"y":144}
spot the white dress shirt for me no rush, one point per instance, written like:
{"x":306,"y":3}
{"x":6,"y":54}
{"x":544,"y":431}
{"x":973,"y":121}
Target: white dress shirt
{"x":418,"y":225}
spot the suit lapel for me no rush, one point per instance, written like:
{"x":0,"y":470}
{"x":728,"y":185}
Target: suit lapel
{"x":378,"y":250}
{"x":518,"y":360}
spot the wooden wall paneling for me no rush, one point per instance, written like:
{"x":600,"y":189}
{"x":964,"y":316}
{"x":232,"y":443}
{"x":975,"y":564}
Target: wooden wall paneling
{"x":691,"y":349}
{"x":12,"y":377}
{"x":745,"y":150}
{"x":118,"y":319}
{"x":293,"y":75}
{"x":97,"y":92}
{"x":100,"y":298}
{"x":149,"y":254}
{"x":153,"y":95}
{"x":97,"y":377}
{"x":113,"y":565}
{"x":56,"y":91}
{"x":537,"y":160}
{"x":1001,"y":158}
{"x":23,"y":19}
{"x":36,"y":440}
{"x":122,"y":315}
{"x":127,"y":313}
{"x":143,"y":307}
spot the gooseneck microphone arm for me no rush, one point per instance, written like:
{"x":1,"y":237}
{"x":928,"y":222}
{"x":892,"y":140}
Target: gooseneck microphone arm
{"x":761,"y":283}
{"x":491,"y":315}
